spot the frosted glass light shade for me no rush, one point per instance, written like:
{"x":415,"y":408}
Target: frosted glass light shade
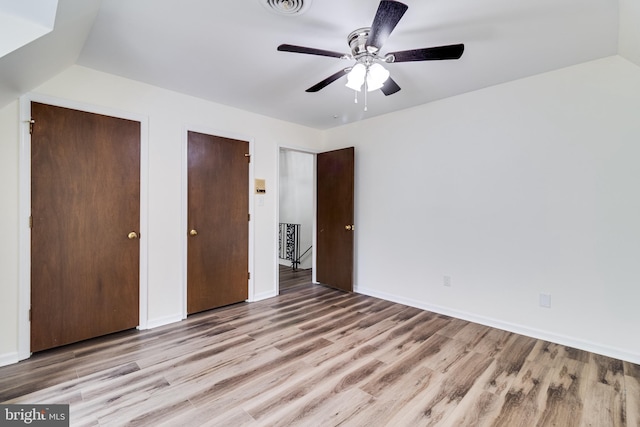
{"x":376,"y":76}
{"x":355,"y":78}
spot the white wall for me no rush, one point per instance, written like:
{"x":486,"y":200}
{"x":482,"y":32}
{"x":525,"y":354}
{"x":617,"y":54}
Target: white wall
{"x":629,"y":30}
{"x":296,"y":198}
{"x":9,"y":147}
{"x":514,"y":190}
{"x":524,"y":188}
{"x":168,"y":113}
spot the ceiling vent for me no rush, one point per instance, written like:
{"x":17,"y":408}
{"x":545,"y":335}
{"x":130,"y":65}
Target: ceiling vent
{"x":287,"y":7}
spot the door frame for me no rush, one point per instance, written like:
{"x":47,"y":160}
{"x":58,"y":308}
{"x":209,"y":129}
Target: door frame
{"x":24,"y":190}
{"x":314,"y":153}
{"x":184,"y":204}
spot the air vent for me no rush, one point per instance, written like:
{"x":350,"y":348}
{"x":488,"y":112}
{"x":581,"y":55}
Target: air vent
{"x":287,"y":7}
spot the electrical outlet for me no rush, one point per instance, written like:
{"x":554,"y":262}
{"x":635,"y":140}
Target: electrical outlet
{"x":446,"y":281}
{"x":545,"y":300}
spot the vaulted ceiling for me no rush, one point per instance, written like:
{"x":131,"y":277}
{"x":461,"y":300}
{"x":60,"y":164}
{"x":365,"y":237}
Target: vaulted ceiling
{"x":225,"y":52}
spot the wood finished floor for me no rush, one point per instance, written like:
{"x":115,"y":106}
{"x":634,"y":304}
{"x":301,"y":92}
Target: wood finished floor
{"x":290,"y":277}
{"x":315,"y":356}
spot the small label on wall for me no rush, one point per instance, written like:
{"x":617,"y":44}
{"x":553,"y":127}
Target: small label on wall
{"x":261,"y":186}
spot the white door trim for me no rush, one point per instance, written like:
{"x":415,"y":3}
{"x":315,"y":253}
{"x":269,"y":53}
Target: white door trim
{"x":24,"y":167}
{"x":313,"y":152}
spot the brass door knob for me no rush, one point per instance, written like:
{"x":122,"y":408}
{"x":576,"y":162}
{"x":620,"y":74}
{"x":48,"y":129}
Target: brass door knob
{"x":133,"y":235}
{"x":193,"y":233}
{"x":349,"y":227}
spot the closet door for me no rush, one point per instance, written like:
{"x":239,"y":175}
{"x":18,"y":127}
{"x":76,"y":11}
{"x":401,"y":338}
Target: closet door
{"x":218,"y":221}
{"x":85,"y":206}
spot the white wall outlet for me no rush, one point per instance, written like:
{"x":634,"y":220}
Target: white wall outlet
{"x":446,"y":281}
{"x":545,"y":300}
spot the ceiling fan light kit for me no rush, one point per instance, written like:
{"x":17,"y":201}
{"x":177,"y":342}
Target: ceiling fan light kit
{"x":365,"y":44}
{"x":372,"y":77}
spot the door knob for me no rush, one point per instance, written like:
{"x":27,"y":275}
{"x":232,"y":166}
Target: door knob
{"x":193,"y":233}
{"x":349,"y":227}
{"x":133,"y":235}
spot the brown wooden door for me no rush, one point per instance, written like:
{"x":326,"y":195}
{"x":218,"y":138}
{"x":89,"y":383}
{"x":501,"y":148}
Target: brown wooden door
{"x":85,"y":200}
{"x":334,"y":254}
{"x":218,"y":215}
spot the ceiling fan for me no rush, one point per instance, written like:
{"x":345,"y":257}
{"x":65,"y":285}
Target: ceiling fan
{"x":365,"y":44}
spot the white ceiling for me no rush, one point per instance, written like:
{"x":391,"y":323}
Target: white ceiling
{"x":24,"y":21}
{"x":31,"y":65}
{"x":225,"y":52}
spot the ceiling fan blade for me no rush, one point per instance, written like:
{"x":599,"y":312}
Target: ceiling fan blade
{"x":309,"y":51}
{"x":390,"y":87}
{"x":387,"y":17}
{"x":453,"y":51}
{"x":332,"y":78}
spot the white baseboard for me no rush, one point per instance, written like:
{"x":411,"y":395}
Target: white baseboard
{"x":9,"y":358}
{"x":161,"y":321}
{"x":264,"y":295}
{"x":592,"y":347}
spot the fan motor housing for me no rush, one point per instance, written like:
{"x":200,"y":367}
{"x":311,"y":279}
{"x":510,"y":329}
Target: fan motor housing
{"x":358,"y":41}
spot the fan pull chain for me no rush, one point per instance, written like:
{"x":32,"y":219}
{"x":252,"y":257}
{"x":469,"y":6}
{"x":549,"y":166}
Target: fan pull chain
{"x":366,"y":89}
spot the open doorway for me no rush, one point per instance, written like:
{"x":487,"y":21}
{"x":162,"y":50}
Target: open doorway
{"x":296,"y":218}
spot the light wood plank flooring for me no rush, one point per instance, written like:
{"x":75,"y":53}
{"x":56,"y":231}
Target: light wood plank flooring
{"x":290,"y":277}
{"x":315,"y":356}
